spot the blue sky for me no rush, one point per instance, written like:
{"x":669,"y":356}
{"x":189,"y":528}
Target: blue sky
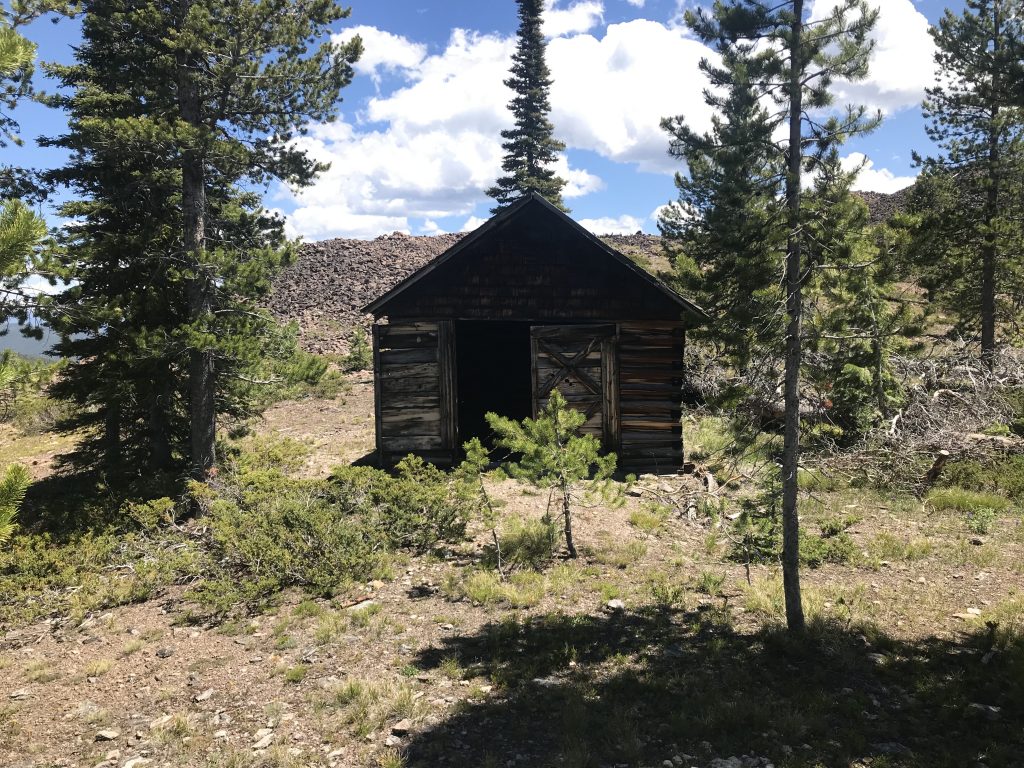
{"x":417,"y":143}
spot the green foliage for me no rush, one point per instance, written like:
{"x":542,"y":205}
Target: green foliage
{"x":757,"y":533}
{"x":24,"y":393}
{"x":360,"y":352}
{"x":530,"y":146}
{"x":981,"y":519}
{"x":966,"y":229}
{"x":171,"y":247}
{"x":12,"y":492}
{"x":555,"y":455}
{"x":861,"y":318}
{"x":1003,"y":475}
{"x":419,"y":508}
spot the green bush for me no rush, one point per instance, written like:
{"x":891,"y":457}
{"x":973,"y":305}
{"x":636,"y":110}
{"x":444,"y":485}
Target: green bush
{"x":360,"y":353}
{"x":981,"y":520}
{"x":267,"y":531}
{"x":1004,"y":476}
{"x":420,"y":508}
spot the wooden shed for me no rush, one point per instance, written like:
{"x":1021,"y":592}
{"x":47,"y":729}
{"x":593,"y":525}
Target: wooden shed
{"x":530,"y":302}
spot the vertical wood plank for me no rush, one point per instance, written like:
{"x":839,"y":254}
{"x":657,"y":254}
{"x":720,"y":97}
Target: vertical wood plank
{"x":378,"y":400}
{"x":446,"y":356}
{"x":610,"y":388}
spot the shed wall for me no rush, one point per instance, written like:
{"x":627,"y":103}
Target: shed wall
{"x":650,"y":394}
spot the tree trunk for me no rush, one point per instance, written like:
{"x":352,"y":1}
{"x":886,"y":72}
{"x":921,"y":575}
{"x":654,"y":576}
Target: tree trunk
{"x":989,"y":248}
{"x":201,"y":366}
{"x":567,"y":515}
{"x":112,"y":437}
{"x":159,"y":432}
{"x":794,"y":308}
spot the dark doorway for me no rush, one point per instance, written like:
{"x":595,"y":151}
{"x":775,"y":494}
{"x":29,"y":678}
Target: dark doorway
{"x":494,"y":374}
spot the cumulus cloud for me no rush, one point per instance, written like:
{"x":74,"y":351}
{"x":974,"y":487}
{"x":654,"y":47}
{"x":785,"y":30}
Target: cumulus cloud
{"x":610,"y":94}
{"x":430,"y":147}
{"x":636,"y":3}
{"x":902,"y":65}
{"x":607,"y":225}
{"x":383,"y":51}
{"x":872,"y":179}
{"x":473,"y":222}
{"x":579,"y":17}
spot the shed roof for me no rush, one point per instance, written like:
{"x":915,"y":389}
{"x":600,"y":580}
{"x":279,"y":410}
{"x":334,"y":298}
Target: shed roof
{"x":522,"y":215}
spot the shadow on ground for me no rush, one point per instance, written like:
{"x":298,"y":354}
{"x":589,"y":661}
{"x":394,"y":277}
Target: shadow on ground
{"x":633,"y":689}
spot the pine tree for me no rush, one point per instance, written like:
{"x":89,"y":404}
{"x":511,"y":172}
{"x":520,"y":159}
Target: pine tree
{"x":792,"y":62}
{"x":859,"y":318}
{"x":21,"y":231}
{"x":723,"y":230}
{"x":530,"y":146}
{"x":975,"y":119}
{"x":179,"y":111}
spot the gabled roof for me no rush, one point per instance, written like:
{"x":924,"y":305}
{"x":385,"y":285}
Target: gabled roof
{"x":379,"y":307}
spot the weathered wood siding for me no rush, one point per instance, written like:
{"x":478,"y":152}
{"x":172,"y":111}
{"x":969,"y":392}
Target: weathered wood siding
{"x":580,"y":362}
{"x":650,"y":394}
{"x":538,"y":270}
{"x":414,"y":368}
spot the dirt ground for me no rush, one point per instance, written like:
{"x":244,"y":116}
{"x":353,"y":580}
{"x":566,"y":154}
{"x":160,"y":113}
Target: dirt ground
{"x":402,"y":672}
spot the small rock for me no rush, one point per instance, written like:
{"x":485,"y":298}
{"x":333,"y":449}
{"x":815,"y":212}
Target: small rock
{"x":137,"y":762}
{"x":165,"y":653}
{"x":392,"y":741}
{"x":977,"y":541}
{"x":113,"y":755}
{"x":20,"y":694}
{"x":220,"y":734}
{"x":265,"y":742}
{"x":203,"y":696}
{"x":108,"y":734}
{"x":160,"y":722}
{"x":615,"y":605}
{"x":402,"y":727}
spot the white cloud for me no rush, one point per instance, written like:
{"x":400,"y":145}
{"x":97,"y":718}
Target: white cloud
{"x":902,"y":65}
{"x":610,"y":95}
{"x":426,"y":150}
{"x":871,"y":179}
{"x":429,"y":148}
{"x":473,"y":222}
{"x":579,"y":17}
{"x":636,"y":3}
{"x":383,"y":51}
{"x":606,"y":225}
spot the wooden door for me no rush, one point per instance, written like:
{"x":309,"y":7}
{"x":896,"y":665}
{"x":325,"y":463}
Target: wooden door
{"x":580,"y":362}
{"x":414,"y":366}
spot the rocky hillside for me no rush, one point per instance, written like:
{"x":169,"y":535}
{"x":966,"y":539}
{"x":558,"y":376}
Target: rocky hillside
{"x":326,"y":287}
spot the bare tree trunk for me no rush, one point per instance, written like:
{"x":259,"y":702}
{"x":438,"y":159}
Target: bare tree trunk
{"x":201,"y":366}
{"x":989,"y":248}
{"x":112,"y":437}
{"x":794,"y":308}
{"x":159,"y":432}
{"x":567,"y":515}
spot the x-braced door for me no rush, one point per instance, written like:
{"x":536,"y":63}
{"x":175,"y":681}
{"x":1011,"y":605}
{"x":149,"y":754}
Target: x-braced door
{"x":580,"y":362}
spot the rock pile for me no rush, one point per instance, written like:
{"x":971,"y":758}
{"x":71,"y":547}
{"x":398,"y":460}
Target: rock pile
{"x":324,"y":289}
{"x":882,"y":207}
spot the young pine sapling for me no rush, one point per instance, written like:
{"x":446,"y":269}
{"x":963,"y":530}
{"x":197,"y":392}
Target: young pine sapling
{"x":555,"y":455}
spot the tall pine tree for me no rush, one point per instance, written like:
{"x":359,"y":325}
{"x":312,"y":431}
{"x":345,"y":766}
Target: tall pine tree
{"x":178,"y":110}
{"x":792,"y":62}
{"x":972,"y":194}
{"x":723,"y":230}
{"x":530,"y":146}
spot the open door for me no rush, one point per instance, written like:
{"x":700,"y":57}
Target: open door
{"x":580,"y":362}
